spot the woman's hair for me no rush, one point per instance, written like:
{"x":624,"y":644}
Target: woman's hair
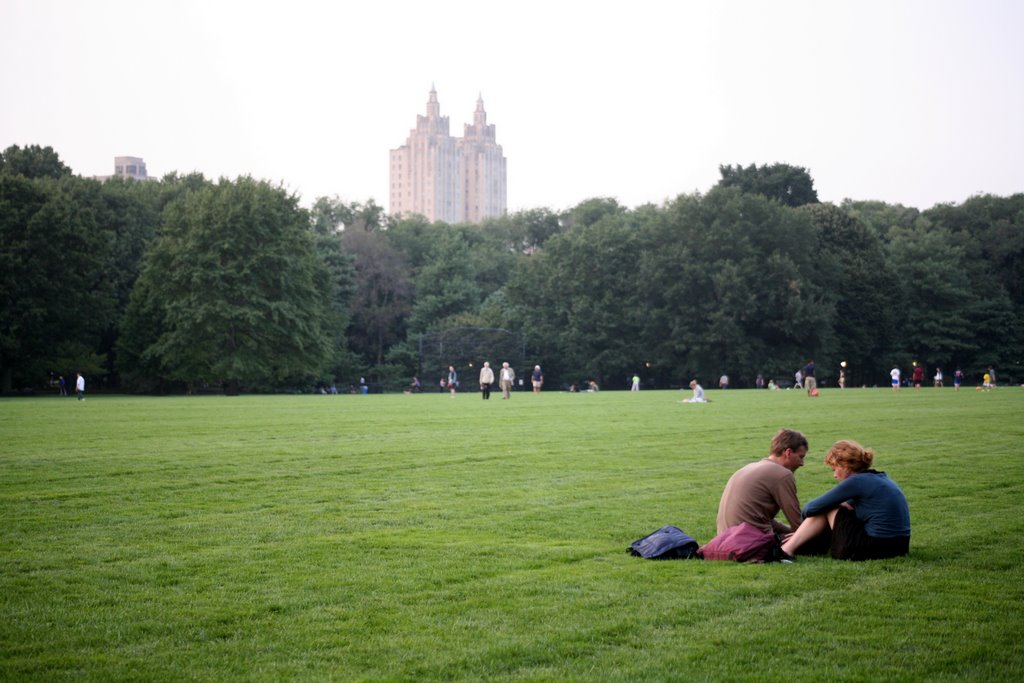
{"x":849,"y":455}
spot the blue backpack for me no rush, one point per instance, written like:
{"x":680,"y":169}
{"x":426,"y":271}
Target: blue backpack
{"x":667,"y":543}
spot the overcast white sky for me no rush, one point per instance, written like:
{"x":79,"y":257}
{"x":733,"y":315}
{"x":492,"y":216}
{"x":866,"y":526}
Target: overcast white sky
{"x":914,"y":102}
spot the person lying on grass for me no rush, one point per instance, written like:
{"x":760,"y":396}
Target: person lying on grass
{"x":866,"y":514}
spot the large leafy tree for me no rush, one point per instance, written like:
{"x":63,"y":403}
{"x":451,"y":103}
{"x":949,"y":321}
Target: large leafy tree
{"x":590,"y":211}
{"x":56,"y":296}
{"x":130,"y":210}
{"x":991,"y":231}
{"x":578,"y":301}
{"x":232,"y":291}
{"x":445,"y":283}
{"x":382,"y":296}
{"x":130,"y":213}
{"x":734,"y":285}
{"x":413,"y":238}
{"x":328,"y":218}
{"x":32,"y":161}
{"x":938,"y":303}
{"x":454,"y":269}
{"x":789,"y":185}
{"x":727,"y":283}
{"x":879,"y":217}
{"x":524,"y":232}
{"x":865,"y":289}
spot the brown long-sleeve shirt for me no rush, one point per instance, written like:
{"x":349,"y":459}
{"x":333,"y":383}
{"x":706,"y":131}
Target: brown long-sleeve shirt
{"x":756,"y":493}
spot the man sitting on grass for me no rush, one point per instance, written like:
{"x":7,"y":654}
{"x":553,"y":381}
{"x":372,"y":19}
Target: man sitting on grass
{"x":756,"y":492}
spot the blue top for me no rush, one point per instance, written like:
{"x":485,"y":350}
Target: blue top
{"x":876,"y":499}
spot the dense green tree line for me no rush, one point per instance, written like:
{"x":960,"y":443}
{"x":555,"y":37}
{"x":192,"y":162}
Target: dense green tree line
{"x":188,"y":284}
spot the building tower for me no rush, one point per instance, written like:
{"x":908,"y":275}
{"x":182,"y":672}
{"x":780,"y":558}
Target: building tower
{"x":483,"y":169}
{"x":448,"y":179}
{"x":425,"y":170}
{"x":130,"y":167}
{"x":133,"y":168}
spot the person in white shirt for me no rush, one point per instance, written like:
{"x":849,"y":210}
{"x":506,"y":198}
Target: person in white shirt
{"x":698,"y":393}
{"x":505,"y":380}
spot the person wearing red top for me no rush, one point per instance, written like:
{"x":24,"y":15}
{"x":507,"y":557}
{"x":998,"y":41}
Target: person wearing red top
{"x":918,"y":377}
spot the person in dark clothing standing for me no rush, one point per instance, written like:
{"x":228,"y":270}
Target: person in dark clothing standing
{"x":810,"y":383}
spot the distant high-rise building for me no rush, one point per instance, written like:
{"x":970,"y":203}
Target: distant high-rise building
{"x":127,"y":167}
{"x":455,"y":180}
{"x":483,"y":169}
{"x":130,"y":167}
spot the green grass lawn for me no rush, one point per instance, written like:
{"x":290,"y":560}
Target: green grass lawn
{"x":419,"y":537}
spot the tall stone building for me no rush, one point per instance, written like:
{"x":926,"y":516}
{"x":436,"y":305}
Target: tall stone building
{"x":455,"y":180}
{"x":483,"y":169}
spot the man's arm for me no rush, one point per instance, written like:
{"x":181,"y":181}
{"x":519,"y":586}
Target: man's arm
{"x":788,"y":502}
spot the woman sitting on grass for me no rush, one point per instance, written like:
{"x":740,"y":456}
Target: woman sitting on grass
{"x":698,"y":393}
{"x":866,"y":512}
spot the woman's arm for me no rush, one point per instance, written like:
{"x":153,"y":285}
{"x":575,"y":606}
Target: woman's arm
{"x":848,"y":489}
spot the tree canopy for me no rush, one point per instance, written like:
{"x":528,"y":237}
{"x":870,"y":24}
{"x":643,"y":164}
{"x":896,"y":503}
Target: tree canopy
{"x":186,"y":283}
{"x":32,"y":161}
{"x":232,"y":292}
{"x":789,"y":185}
{"x":56,"y":260}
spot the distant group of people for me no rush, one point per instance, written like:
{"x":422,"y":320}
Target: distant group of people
{"x":865,"y":516}
{"x":506,"y":380}
{"x":62,"y":385}
{"x":805,"y":378}
{"x":917,"y":378}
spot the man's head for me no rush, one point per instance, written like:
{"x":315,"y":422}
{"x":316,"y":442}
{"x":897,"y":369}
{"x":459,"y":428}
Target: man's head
{"x":693,"y":383}
{"x":505,"y":364}
{"x":486,"y":364}
{"x":789,"y":448}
